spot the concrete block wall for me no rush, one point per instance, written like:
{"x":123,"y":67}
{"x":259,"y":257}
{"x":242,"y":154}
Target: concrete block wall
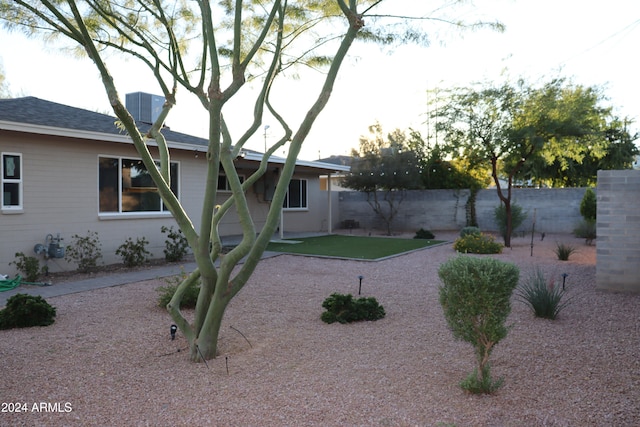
{"x":618,"y":225}
{"x":557,"y":210}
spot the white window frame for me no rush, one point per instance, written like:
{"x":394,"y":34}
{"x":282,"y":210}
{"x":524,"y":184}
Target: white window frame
{"x":20,"y":181}
{"x":138,"y":214}
{"x":304,"y":192}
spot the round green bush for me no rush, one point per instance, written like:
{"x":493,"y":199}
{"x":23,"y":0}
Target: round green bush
{"x":23,"y":311}
{"x":424,"y":234}
{"x":345,"y":309}
{"x":477,"y":244}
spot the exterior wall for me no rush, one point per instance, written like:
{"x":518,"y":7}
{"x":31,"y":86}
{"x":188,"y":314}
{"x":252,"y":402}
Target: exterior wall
{"x":557,"y":210}
{"x":60,"y":196}
{"x":618,"y":224}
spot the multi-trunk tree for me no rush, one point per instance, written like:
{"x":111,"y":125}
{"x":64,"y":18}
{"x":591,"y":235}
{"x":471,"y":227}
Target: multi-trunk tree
{"x":210,"y":50}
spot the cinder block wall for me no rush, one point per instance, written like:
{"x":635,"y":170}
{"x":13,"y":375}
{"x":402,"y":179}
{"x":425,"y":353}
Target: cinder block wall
{"x":557,"y":210}
{"x":618,"y":225}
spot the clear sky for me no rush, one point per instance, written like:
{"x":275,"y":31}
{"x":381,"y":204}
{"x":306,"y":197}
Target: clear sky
{"x":591,"y":42}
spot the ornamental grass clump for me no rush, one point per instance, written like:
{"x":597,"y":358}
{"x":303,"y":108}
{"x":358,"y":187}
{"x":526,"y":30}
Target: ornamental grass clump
{"x":563,"y":252}
{"x":544,"y":299}
{"x":477,"y":244}
{"x":475,"y":296}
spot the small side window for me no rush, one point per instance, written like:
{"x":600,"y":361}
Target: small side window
{"x":11,"y":179}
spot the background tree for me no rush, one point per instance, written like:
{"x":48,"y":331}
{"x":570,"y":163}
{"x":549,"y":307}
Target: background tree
{"x":439,"y":173}
{"x":574,"y":160}
{"x":513,"y":127}
{"x":384,"y":168}
{"x":4,"y":86}
{"x":210,"y":50}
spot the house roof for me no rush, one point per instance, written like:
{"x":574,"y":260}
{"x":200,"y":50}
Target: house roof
{"x":34,"y":115}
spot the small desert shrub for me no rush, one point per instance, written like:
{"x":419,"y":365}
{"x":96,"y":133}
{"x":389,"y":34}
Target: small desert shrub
{"x":176,"y":244}
{"x":29,"y":266}
{"x":477,"y":244}
{"x":586,"y":230}
{"x":475,"y":296}
{"x":84,"y":251}
{"x":190,"y":296}
{"x":470,"y":231}
{"x":345,"y":309}
{"x":517,"y":218}
{"x":134,"y":253}
{"x":564,"y":251}
{"x":424,"y":234}
{"x":23,"y":311}
{"x":589,"y":205}
{"x":545,"y":299}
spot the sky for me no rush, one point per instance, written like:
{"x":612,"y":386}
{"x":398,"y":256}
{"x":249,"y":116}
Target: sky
{"x":591,"y":42}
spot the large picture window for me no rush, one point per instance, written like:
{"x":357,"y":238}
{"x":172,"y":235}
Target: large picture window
{"x":125,"y":186}
{"x":11,"y":180}
{"x":296,"y":197}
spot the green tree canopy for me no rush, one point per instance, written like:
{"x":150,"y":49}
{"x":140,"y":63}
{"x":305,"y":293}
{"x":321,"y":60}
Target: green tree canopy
{"x":518,"y":129}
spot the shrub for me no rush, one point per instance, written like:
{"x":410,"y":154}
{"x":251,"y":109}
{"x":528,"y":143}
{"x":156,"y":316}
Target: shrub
{"x":190,"y":296}
{"x":545,"y":299}
{"x":588,"y":205}
{"x":134,"y":253}
{"x":475,"y":297}
{"x":345,"y":309}
{"x":477,"y":244}
{"x":470,"y":231}
{"x":29,"y":266}
{"x":84,"y":251}
{"x":517,"y":218}
{"x":586,"y":230}
{"x":564,"y":251}
{"x":176,"y":244}
{"x":424,"y":234}
{"x":23,"y":311}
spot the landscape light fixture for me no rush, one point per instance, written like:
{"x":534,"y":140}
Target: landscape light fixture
{"x":173,"y":330}
{"x":360,"y":286}
{"x":564,"y":279}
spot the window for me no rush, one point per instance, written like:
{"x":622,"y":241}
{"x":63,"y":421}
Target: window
{"x":223,"y":182}
{"x":11,"y":174}
{"x":125,"y":186}
{"x":296,"y":197}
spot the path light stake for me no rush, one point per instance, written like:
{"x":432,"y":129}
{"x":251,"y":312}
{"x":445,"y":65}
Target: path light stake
{"x":226,"y":362}
{"x":173,"y":330}
{"x":360,"y":286}
{"x":564,"y":279}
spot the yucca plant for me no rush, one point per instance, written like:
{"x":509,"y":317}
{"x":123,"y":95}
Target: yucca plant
{"x":546,"y":300}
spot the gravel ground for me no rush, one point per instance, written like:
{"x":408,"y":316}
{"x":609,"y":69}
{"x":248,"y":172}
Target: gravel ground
{"x":108,"y":359}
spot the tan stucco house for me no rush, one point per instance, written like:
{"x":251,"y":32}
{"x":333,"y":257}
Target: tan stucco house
{"x":67,"y":171}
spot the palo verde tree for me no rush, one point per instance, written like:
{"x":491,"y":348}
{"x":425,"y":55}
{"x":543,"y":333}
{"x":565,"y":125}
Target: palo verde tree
{"x":508,"y":126}
{"x":210,"y":50}
{"x":384,"y":168}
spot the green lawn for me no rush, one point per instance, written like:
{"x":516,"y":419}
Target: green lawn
{"x":356,"y":247}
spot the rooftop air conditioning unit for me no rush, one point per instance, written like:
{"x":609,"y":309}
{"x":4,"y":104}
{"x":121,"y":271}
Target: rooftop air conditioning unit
{"x":144,"y":107}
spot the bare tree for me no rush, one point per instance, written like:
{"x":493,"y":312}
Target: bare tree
{"x":210,"y":50}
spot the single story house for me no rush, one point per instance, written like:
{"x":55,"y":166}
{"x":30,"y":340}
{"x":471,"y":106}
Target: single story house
{"x":66,"y":171}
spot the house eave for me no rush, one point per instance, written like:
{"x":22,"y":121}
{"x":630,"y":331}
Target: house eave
{"x":125,"y":139}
